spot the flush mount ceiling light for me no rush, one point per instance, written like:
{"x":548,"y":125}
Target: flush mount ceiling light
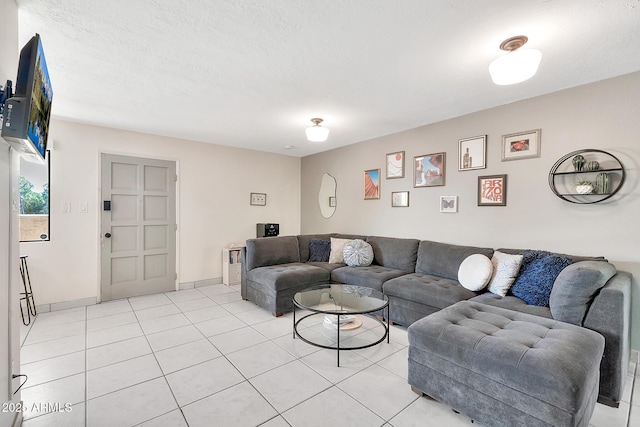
{"x":317,"y":133}
{"x":517,"y":65}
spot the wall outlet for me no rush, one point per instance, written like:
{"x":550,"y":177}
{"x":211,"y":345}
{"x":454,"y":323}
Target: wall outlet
{"x":66,"y":207}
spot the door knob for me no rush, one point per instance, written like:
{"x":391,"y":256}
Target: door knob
{"x":107,"y":235}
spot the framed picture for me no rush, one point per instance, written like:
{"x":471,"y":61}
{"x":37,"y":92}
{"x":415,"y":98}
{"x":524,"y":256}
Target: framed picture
{"x":400,"y":199}
{"x":472,"y":153}
{"x":492,"y":190}
{"x":448,"y":203}
{"x":372,"y":184}
{"x":332,"y":201}
{"x":395,"y":165}
{"x":258,"y":199}
{"x":428,"y":170}
{"x":523,"y":145}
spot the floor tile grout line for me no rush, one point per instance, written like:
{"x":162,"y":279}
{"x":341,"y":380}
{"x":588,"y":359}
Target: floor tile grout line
{"x":296,"y":358}
{"x":633,"y":381}
{"x":22,"y":364}
{"x":248,"y":379}
{"x":280,"y":413}
{"x":164,"y":377}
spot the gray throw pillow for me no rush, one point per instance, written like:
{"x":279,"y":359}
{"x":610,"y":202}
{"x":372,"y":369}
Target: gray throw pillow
{"x":319,"y":250}
{"x":575,"y":288}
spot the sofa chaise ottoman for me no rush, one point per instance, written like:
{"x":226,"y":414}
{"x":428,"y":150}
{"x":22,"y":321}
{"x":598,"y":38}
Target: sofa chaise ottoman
{"x":505,"y":368}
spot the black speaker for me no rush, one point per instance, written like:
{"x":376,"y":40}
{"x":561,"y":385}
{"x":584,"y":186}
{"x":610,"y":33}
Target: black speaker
{"x":267,"y":230}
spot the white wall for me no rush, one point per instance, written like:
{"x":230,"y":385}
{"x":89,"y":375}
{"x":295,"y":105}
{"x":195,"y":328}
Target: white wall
{"x":603,"y":115}
{"x":213,"y":190}
{"x":9,"y":255}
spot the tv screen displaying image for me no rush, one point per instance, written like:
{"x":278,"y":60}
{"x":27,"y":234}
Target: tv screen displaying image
{"x":28,"y":112}
{"x":40,"y":107}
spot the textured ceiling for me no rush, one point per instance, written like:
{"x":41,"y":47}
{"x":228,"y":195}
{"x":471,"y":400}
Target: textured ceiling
{"x":252,"y":73}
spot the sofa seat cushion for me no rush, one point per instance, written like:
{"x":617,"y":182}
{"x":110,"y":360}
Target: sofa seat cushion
{"x":429,"y":290}
{"x":541,"y":367}
{"x":511,"y":302}
{"x":326,"y":265}
{"x":372,"y":276}
{"x":285,"y":276}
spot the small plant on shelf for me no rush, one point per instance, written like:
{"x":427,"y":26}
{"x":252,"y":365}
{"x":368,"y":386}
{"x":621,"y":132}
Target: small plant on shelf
{"x":584,"y":187}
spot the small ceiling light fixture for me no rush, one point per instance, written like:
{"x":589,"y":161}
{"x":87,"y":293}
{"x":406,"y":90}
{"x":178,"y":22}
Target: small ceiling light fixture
{"x":516,"y":66}
{"x":317,"y":133}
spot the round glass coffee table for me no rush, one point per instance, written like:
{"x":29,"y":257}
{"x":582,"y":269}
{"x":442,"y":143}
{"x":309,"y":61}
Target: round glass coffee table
{"x":337,"y":310}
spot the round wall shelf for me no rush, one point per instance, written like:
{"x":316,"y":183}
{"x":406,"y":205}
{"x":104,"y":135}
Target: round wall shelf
{"x":603,"y":170}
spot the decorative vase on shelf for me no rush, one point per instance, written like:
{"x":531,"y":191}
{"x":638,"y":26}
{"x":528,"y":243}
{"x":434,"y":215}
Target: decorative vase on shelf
{"x":593,"y":165}
{"x":584,"y":187}
{"x":578,"y":162}
{"x":603,"y":183}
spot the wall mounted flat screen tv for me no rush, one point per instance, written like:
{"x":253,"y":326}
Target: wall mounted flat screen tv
{"x":27,"y":113}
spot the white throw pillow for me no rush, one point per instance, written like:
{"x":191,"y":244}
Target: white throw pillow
{"x":475,"y":272}
{"x":505,"y":271}
{"x":337,"y":250}
{"x":358,"y":253}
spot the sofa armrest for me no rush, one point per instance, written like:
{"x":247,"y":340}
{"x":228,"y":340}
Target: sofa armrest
{"x":610,"y":315}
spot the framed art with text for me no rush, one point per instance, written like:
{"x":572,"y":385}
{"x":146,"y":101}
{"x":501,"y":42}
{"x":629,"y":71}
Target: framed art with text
{"x":492,"y":190}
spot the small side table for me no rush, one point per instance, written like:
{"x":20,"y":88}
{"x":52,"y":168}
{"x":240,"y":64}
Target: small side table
{"x":27,"y":295}
{"x":232,"y":265}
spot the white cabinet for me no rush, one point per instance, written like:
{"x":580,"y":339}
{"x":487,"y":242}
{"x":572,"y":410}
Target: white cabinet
{"x":231,"y":266}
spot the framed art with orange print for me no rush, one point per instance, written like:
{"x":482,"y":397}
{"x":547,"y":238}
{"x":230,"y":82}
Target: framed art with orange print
{"x":492,"y":190}
{"x":372,"y":184}
{"x":395,"y":165}
{"x":522,"y":145}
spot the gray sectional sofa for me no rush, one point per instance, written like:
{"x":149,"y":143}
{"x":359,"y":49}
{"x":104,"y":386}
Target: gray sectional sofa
{"x":421,"y":278}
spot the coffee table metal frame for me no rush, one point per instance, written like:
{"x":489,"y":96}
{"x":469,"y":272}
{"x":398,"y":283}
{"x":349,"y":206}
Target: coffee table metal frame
{"x":340,"y":312}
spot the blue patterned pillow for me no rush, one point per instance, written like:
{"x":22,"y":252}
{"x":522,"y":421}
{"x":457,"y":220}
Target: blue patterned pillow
{"x":319,"y":250}
{"x":538,"y":272}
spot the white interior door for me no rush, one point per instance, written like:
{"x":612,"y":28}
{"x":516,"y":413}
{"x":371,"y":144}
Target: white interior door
{"x":138,"y":226}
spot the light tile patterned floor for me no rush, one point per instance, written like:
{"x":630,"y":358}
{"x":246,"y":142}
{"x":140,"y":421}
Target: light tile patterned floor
{"x":203,"y":357}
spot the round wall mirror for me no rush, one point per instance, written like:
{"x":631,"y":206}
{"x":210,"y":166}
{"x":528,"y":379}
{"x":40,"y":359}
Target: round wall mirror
{"x":327,"y":196}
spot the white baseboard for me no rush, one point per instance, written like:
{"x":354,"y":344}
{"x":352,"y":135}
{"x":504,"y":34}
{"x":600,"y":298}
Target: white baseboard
{"x":200,"y":283}
{"x":64,"y":305}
